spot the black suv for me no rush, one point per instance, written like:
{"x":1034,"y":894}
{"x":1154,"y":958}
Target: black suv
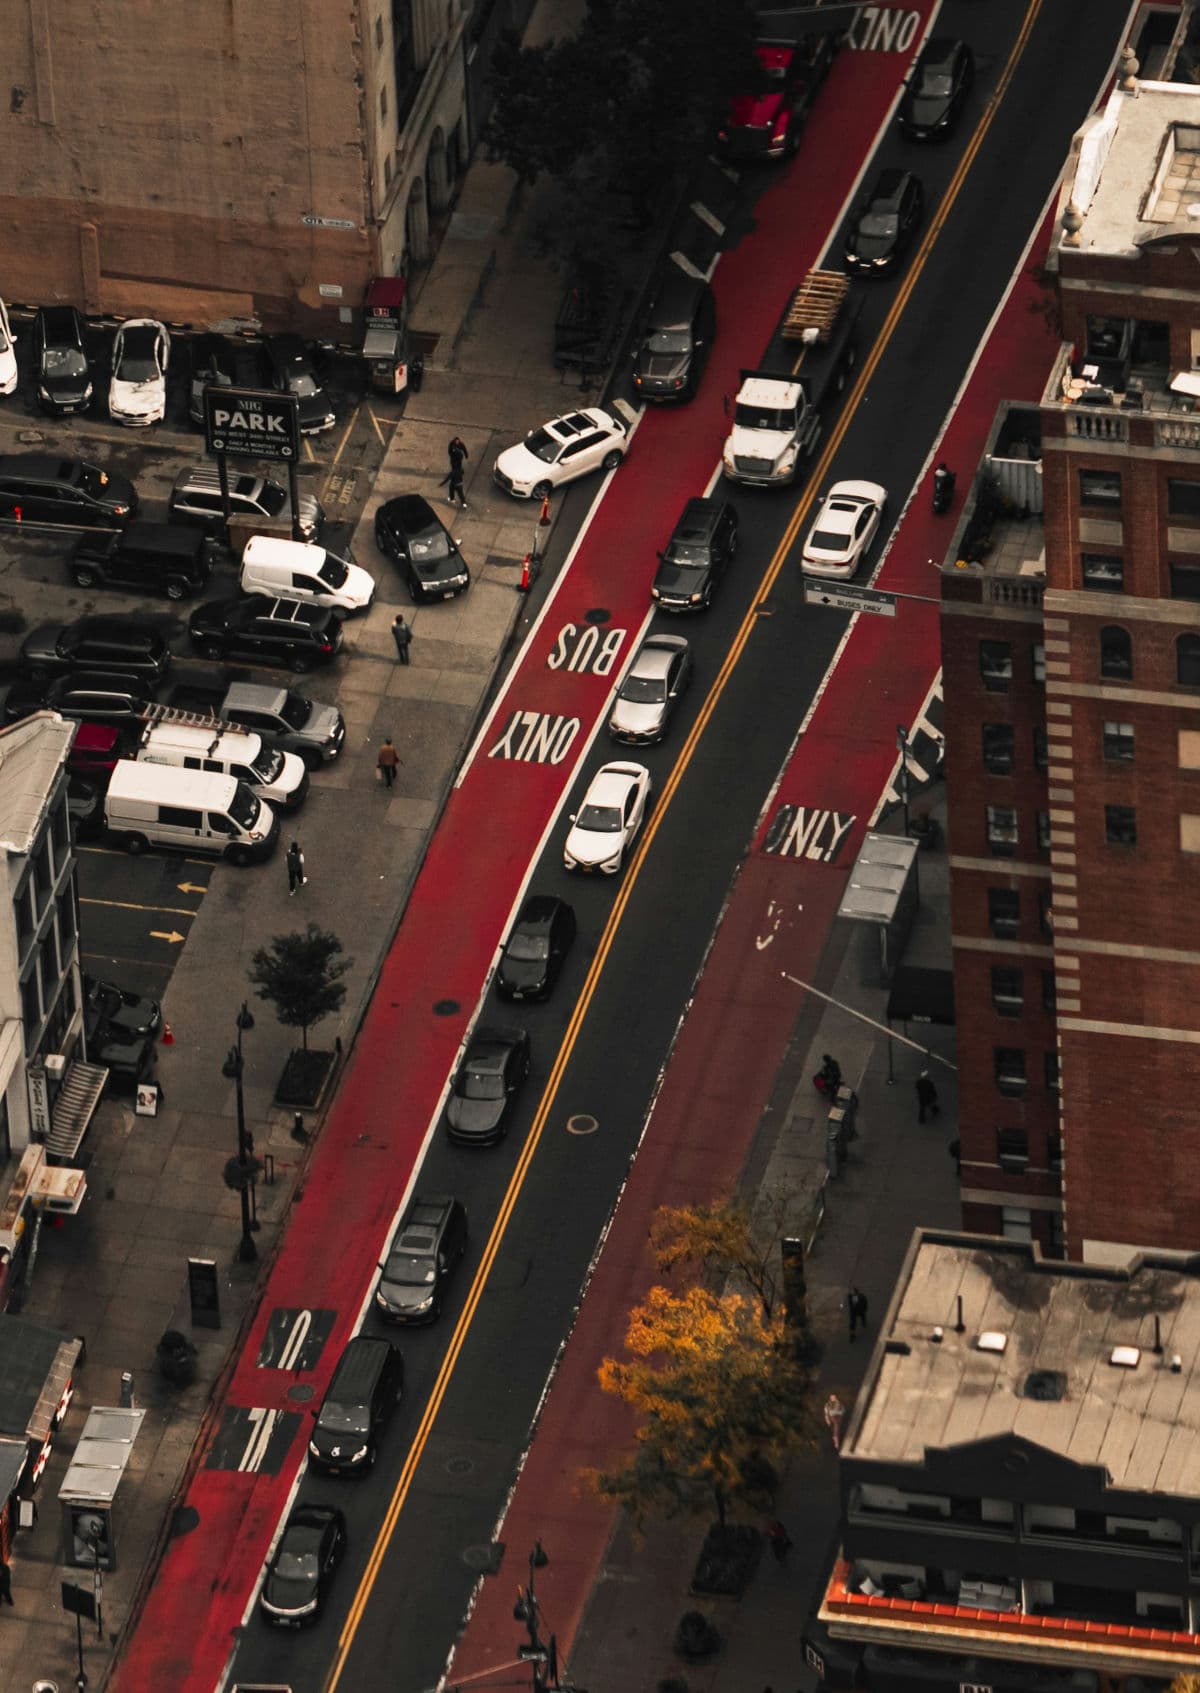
{"x":218,"y":363}
{"x":885,"y":224}
{"x":937,"y":89}
{"x":125,"y":644}
{"x":413,"y":536}
{"x":697,"y":554}
{"x":676,"y":339}
{"x":152,"y":558}
{"x":430,"y":1242}
{"x":278,"y":631}
{"x":365,"y":1390}
{"x":42,"y":489}
{"x":94,"y":696}
{"x":537,"y":943}
{"x":64,"y":383}
{"x":292,"y":373}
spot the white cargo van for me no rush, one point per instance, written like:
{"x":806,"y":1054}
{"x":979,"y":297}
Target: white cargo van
{"x":278,"y":777}
{"x":293,"y":570}
{"x":161,"y":805}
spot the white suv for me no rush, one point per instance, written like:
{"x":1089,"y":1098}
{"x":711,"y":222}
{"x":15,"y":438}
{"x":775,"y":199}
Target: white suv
{"x":561,"y":450}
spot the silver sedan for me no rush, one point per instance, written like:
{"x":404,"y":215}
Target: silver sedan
{"x":653,"y":686}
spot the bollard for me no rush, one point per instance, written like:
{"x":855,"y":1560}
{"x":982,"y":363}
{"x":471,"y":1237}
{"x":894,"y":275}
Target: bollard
{"x":127,"y":1390}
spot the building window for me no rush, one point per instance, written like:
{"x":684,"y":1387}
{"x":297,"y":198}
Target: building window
{"x":1100,"y":488}
{"x":1054,"y":1153}
{"x":1189,"y":832}
{"x":1016,"y":1223}
{"x":1008,"y":990}
{"x":31,"y":1008}
{"x":1185,"y":582}
{"x":387,"y":170}
{"x":1183,"y":498}
{"x":1004,"y":912}
{"x":1050,"y":1067}
{"x":1010,"y":1070}
{"x":995,"y":665}
{"x":1041,"y":756}
{"x":1057,"y":1235}
{"x":1043,"y":831}
{"x":24,"y":909}
{"x":1189,"y":749}
{"x":1049,"y":989}
{"x":1002,"y":830}
{"x":1046,"y":914}
{"x":404,"y":59}
{"x":1187,"y":660}
{"x":379,"y":31}
{"x":1103,"y":572}
{"x":1116,"y":654}
{"x":1120,"y":825}
{"x":999,"y":740}
{"x":1038,"y":655}
{"x":1012,"y":1149}
{"x":1118,"y":743}
{"x":383,"y":101}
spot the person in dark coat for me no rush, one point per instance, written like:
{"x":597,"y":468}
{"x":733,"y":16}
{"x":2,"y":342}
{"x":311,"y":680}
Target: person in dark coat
{"x":781,"y":1541}
{"x":6,"y":1584}
{"x":927,"y":1097}
{"x":402,"y":635}
{"x":829,"y":1078}
{"x":295,"y":867}
{"x":457,"y":451}
{"x":856,"y":1308}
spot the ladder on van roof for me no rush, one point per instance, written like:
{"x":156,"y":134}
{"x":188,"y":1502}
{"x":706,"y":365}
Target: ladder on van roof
{"x":155,"y":714}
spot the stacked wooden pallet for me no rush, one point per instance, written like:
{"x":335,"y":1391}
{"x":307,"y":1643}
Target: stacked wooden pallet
{"x":815,"y":305}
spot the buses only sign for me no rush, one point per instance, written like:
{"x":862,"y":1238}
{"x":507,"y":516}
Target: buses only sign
{"x":249,"y":424}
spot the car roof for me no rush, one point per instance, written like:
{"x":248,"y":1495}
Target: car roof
{"x":575,"y":423}
{"x":610,"y":785}
{"x":774,"y":52}
{"x":488,"y":1050}
{"x":653,"y":662}
{"x":539,"y":910}
{"x":675,"y":299}
{"x":411,"y":510}
{"x":698,"y":517}
{"x":939,"y":50}
{"x":889,"y":186}
{"x":283,"y":554}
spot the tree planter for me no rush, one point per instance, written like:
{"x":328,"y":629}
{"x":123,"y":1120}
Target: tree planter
{"x":696,"y":1638}
{"x":305,"y":1080}
{"x":728,"y":1559}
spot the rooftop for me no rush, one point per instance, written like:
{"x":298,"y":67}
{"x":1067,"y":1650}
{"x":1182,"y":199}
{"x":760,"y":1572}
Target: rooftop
{"x":31,"y":755}
{"x":1137,"y":1418}
{"x":1136,"y":175}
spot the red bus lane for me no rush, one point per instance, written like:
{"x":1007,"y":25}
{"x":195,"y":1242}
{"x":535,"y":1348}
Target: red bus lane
{"x":478,"y":859}
{"x":735,"y":1033}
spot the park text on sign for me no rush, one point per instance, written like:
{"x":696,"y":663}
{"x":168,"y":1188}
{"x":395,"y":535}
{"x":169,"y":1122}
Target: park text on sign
{"x":249,"y":424}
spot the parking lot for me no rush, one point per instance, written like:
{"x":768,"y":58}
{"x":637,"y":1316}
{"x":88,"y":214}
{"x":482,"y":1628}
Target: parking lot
{"x":136,"y":915}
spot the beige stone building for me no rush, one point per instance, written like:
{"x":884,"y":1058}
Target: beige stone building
{"x":234,"y":162}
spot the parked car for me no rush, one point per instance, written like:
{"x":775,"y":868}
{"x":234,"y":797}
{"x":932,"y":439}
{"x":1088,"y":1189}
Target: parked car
{"x":537,"y":944}
{"x":95,"y":696}
{"x":129,"y":1059}
{"x":274,"y":631}
{"x":64,"y":382}
{"x":367,"y":1384}
{"x":132,"y":1013}
{"x":196,"y":499}
{"x":766,"y":117}
{"x":289,"y":721}
{"x":301,"y":572}
{"x":85,"y":808}
{"x":495,"y":1064}
{"x":613,"y":810}
{"x":137,"y":393}
{"x":46,"y":491}
{"x":302,"y":1566}
{"x":843,"y":529}
{"x":676,"y":338}
{"x":94,"y":751}
{"x":885,"y":224}
{"x":8,"y":354}
{"x":147,"y":558}
{"x":561,"y":450}
{"x":220,"y":363}
{"x":427,"y":1247}
{"x":650,"y":690}
{"x":936,"y":92}
{"x":125,"y":644}
{"x":413,"y":536}
{"x":292,"y":373}
{"x":701,"y":546}
{"x":120,"y":1030}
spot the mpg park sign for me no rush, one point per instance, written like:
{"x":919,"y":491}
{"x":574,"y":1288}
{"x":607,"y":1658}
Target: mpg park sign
{"x":249,"y":424}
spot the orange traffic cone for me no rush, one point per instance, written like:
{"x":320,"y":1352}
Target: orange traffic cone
{"x":523,"y":585}
{"x":544,"y":519}
{"x":168,"y":1038}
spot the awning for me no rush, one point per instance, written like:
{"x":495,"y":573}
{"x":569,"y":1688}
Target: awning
{"x":36,"y":1366}
{"x":77,"y":1099}
{"x":878,"y":878}
{"x":382,"y":340}
{"x":921,"y":995}
{"x":14,"y":1455}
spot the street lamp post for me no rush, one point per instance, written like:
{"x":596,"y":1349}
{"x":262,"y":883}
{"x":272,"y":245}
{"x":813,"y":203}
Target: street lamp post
{"x":902,"y":744}
{"x":544,"y":1658}
{"x":232,"y":1071}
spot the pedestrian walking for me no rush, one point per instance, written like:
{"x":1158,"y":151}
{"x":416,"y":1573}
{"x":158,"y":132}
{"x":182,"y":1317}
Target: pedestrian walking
{"x":828,"y":1078}
{"x":856,"y":1306}
{"x":781,"y":1541}
{"x":6,"y":1584}
{"x":402,"y":635}
{"x":927,"y":1097}
{"x":458,"y":455}
{"x":295,"y":868}
{"x":387,"y":762}
{"x":834,"y":1412}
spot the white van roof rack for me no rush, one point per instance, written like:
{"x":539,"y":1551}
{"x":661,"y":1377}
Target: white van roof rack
{"x":163,"y":714}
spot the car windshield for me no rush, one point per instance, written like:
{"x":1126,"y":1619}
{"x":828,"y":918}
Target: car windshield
{"x":296,"y":711}
{"x":333,"y":571}
{"x":668,"y":341}
{"x":406,"y":1271}
{"x":644,"y":690}
{"x":479,"y":1084}
{"x":528,"y":949}
{"x":268,"y":764}
{"x":827,"y":541}
{"x":430,"y":544}
{"x":344,"y":1419}
{"x":543,"y":446}
{"x":692,"y":558}
{"x":878,"y":225}
{"x":935,"y":85}
{"x":763,"y":417}
{"x":245,"y":808}
{"x":601,"y":819}
{"x":272,"y":499}
{"x":302,"y":384}
{"x":64,"y":361}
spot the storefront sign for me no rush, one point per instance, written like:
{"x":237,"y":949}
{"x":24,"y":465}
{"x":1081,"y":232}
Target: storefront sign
{"x":330,"y":290}
{"x":249,"y":423}
{"x":146,"y":1103}
{"x":39,"y":1102}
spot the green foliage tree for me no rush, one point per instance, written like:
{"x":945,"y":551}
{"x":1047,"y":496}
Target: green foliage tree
{"x":300,"y":975}
{"x":716,"y":1390}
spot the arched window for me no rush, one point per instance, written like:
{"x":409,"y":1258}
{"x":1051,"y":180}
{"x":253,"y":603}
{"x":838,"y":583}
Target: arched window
{"x":1187,"y":660}
{"x":1116,"y":653}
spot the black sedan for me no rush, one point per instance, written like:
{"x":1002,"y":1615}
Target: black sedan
{"x":292,"y":373}
{"x":413,"y":536}
{"x":125,"y":645}
{"x":90,"y":695}
{"x":539,"y":941}
{"x":937,"y":89}
{"x":64,"y":383}
{"x":496,"y":1064}
{"x":299,"y":1574}
{"x":130,"y":1012}
{"x":886,"y":223}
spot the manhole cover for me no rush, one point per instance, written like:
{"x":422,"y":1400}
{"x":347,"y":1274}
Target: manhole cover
{"x":582,"y":1124}
{"x":445,"y":1007}
{"x":459,"y":1466}
{"x":598,"y":614}
{"x":301,"y":1393}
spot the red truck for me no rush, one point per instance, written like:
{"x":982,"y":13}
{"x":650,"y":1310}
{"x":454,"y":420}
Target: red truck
{"x":766,"y":121}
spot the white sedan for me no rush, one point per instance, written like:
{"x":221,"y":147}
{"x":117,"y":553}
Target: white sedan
{"x":843,"y":529}
{"x":137,"y":394}
{"x":613,"y":810}
{"x":8,"y":356}
{"x":561,"y":450}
